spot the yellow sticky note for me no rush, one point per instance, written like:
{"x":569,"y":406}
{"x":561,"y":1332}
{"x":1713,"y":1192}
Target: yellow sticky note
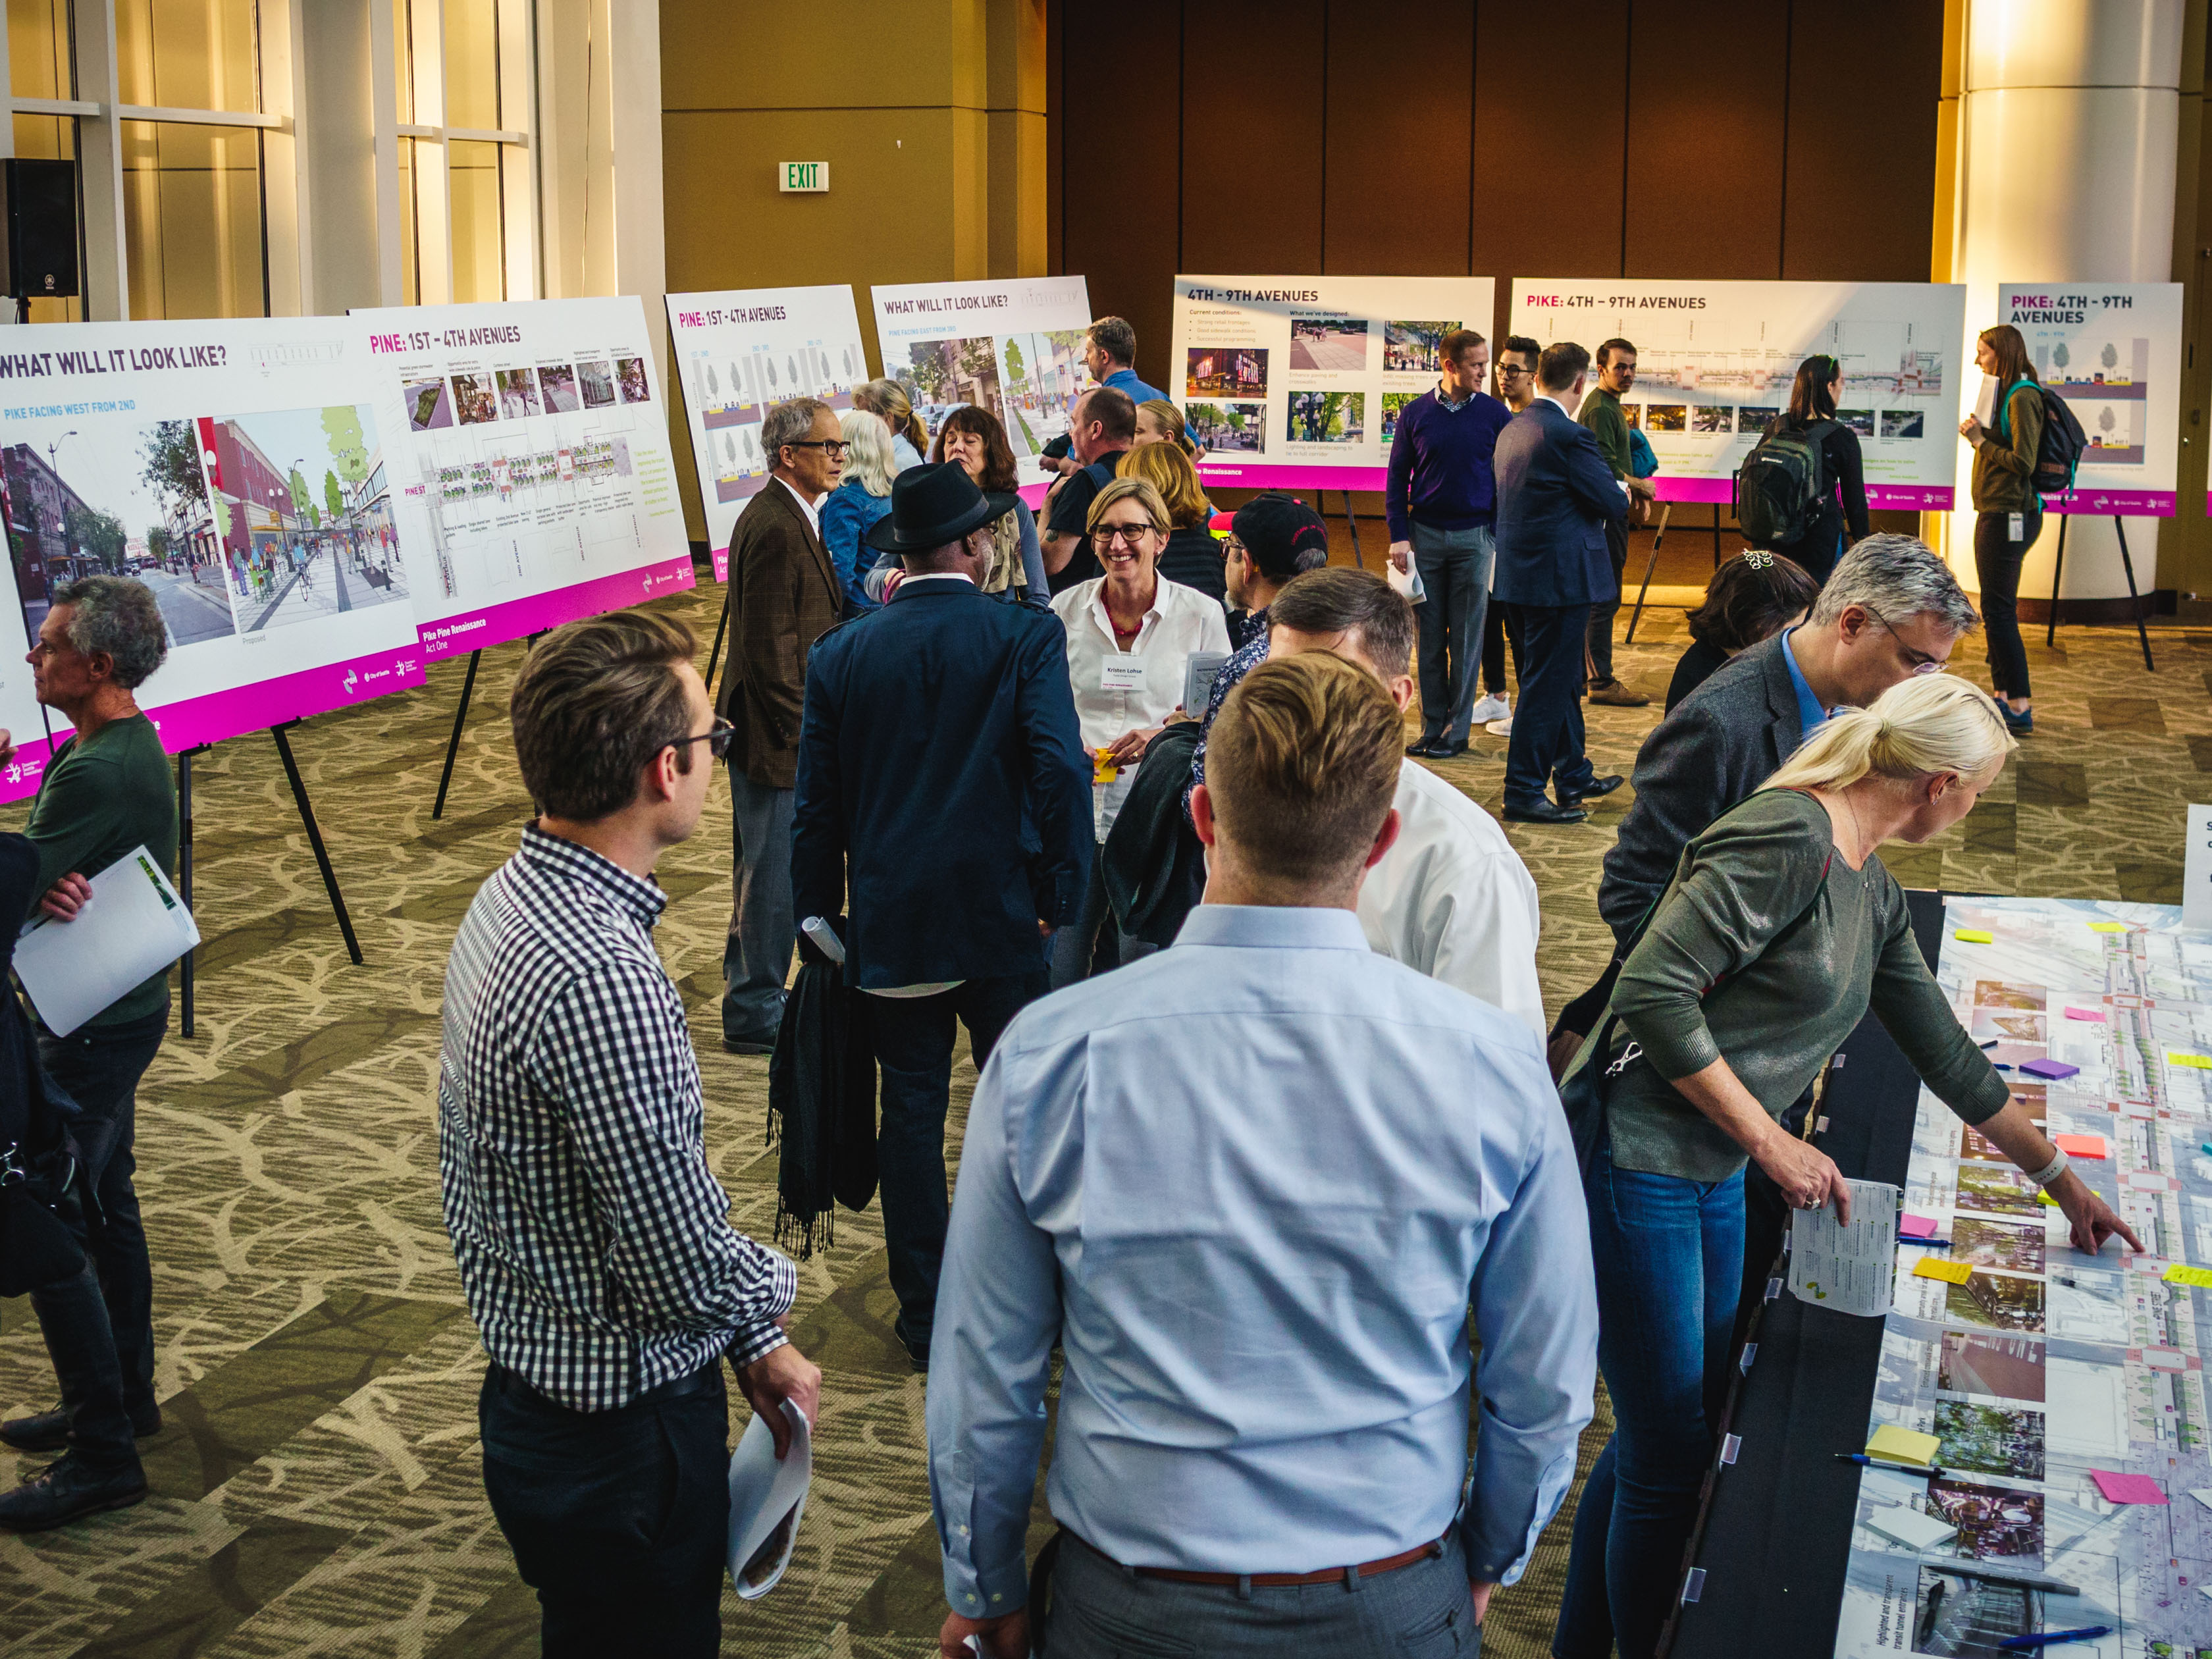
{"x":1951,"y":1272}
{"x":2181,"y":1273}
{"x":2108,"y":927}
{"x":2046,"y":1198}
{"x":1973,"y":936}
{"x":1902,"y":1445}
{"x":2196,"y":1062}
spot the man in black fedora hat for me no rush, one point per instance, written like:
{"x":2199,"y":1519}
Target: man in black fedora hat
{"x":943,"y":781}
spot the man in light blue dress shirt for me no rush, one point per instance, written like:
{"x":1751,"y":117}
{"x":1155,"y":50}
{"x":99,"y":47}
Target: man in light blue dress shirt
{"x":1252,"y":1185}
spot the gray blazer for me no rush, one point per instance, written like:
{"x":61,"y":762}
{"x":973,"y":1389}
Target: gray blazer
{"x":1721,"y":743}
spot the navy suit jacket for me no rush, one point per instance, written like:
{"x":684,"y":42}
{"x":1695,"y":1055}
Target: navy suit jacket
{"x":942,"y":774}
{"x":1555,"y":492}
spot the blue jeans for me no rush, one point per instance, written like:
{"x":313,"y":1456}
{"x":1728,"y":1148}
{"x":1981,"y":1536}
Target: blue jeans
{"x":1669,"y":1259}
{"x":1455,"y":570}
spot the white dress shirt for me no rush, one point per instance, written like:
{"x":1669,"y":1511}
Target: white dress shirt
{"x":813,"y":515}
{"x":1452,"y":899}
{"x":1118,"y":691}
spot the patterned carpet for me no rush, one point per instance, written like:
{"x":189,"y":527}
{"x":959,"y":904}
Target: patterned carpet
{"x":317,"y":1487}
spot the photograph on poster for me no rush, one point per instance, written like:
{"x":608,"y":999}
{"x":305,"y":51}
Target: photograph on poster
{"x":1996,"y":1300}
{"x":518,"y":394}
{"x":1666,"y":417}
{"x":1328,"y":417}
{"x":1043,"y":374}
{"x":1996,"y":993}
{"x":1712,"y":417}
{"x":1992,"y":1521}
{"x":1238,"y":372}
{"x":1860,"y":421}
{"x":940,"y":375}
{"x":1633,"y":414}
{"x":630,"y":377}
{"x":1333,"y":343}
{"x":1989,"y":1439}
{"x":1996,"y":1191}
{"x":1903,"y":423}
{"x":595,"y":379}
{"x":1964,"y":1617}
{"x":1237,"y":429}
{"x":1393,"y":404}
{"x":477,"y":399}
{"x":558,"y":382}
{"x":1411,"y":348}
{"x":2002,"y":1367}
{"x":1754,"y":419}
{"x":428,"y":404}
{"x":1997,"y":1244}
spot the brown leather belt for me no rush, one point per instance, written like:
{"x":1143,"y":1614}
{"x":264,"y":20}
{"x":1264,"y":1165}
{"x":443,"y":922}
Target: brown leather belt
{"x":1279,"y":1580}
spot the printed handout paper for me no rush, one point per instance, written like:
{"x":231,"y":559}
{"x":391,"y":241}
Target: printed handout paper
{"x":1847,"y":1268}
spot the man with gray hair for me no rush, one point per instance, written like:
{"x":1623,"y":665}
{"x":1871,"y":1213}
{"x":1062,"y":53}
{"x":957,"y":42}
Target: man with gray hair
{"x":784,"y":595}
{"x":107,"y":792}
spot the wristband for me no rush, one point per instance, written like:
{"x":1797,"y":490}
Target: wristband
{"x":2050,"y":1171}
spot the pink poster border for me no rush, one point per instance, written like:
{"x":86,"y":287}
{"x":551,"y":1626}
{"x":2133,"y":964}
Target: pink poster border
{"x":495,"y":624}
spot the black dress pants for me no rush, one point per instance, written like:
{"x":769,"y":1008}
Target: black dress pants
{"x":1547,"y":744}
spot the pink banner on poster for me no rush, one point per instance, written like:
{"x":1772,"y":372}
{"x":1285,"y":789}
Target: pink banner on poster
{"x":1033,"y":495}
{"x":1884,"y":497}
{"x":2137,"y":503}
{"x":1293,"y":477}
{"x":495,"y":624}
{"x":721,"y":564}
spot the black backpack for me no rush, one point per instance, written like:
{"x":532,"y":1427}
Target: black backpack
{"x":2059,"y":453}
{"x":1782,"y":484}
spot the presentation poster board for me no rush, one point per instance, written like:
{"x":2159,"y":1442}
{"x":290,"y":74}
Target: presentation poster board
{"x":2113,"y":351}
{"x":1715,"y":361}
{"x":1014,"y":348}
{"x":238,"y":468}
{"x":736,"y":352}
{"x":530,"y":468}
{"x":1296,"y":382}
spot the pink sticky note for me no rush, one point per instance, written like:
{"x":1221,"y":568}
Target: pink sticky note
{"x":2080,"y":1146}
{"x":1917,"y":1226}
{"x":2097,"y":1014}
{"x":2127,"y":1488}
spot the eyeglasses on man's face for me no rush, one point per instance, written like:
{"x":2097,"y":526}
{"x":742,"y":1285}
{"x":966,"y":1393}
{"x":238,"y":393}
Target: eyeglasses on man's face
{"x":1918,"y":662}
{"x":1129,"y":534}
{"x":1513,"y":371}
{"x":833,"y":448}
{"x":717,"y":740}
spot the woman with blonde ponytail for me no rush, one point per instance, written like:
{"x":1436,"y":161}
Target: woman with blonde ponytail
{"x":1778,"y":932}
{"x":887,"y":399}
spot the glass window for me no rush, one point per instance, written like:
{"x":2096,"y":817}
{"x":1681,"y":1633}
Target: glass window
{"x":188,"y":54}
{"x":192,"y":221}
{"x":38,"y":61}
{"x":479,"y":224}
{"x":403,"y":60}
{"x":472,"y":64}
{"x":410,"y":275}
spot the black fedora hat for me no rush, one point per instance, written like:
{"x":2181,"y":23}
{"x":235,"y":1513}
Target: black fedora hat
{"x":934,"y":505}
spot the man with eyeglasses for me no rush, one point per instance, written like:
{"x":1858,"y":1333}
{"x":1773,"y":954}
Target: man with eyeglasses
{"x":593,"y":1242}
{"x":784,"y":594}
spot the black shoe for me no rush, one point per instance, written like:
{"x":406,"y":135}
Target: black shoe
{"x":1542,"y":811}
{"x":1427,"y":749}
{"x":1594,"y":788}
{"x":48,"y":1431}
{"x":1447,"y":750}
{"x":745,"y":1046}
{"x":68,"y":1490}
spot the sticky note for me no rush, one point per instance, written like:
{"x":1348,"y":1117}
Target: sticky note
{"x":2097,"y":1014}
{"x":1101,"y":769}
{"x":2195,"y":1062}
{"x":1973,"y":936}
{"x":2048,"y":1068}
{"x":2203,"y":1495}
{"x":2080,"y":1146}
{"x":1917,"y":1226}
{"x":2127,"y":1488}
{"x":2046,"y":1198}
{"x":1909,"y":1526}
{"x":1951,"y":1272}
{"x":2108,"y":927}
{"x":2181,"y":1273}
{"x":1902,"y":1445}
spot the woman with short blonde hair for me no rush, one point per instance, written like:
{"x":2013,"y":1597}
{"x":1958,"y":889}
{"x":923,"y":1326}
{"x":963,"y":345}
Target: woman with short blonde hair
{"x":1192,"y":555}
{"x":1779,"y":931}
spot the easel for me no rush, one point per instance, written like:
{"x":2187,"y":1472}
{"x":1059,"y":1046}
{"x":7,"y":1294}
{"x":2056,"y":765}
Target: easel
{"x":1352,"y":523}
{"x":721,"y":623}
{"x":2135,"y":601}
{"x":314,"y":840}
{"x":460,"y":720}
{"x":1666,"y":510}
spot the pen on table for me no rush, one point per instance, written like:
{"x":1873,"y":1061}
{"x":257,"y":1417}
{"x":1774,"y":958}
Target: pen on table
{"x":2087,"y":1633}
{"x":1992,"y":1042}
{"x":1862,"y":1459}
{"x":1924,"y":1244}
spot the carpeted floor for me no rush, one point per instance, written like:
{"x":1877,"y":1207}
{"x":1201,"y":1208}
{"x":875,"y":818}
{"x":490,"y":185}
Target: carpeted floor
{"x":317,"y":1487}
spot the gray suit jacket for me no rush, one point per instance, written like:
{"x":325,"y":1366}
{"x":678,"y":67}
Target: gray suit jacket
{"x":1721,"y":743}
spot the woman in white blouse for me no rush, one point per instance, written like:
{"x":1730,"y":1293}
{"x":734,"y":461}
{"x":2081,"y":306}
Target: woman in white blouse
{"x":1130,"y":634}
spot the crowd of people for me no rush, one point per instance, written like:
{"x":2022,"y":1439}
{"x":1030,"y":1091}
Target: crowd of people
{"x":1268,"y":1097}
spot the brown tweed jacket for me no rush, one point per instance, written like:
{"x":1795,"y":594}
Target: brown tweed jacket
{"x":784,"y":595}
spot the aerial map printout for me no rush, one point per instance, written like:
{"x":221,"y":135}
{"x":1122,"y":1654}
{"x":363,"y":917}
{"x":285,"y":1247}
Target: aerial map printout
{"x":2066,"y":1391}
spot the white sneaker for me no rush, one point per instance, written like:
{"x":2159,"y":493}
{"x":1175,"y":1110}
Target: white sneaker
{"x":1493,"y":706}
{"x":1499,"y":728}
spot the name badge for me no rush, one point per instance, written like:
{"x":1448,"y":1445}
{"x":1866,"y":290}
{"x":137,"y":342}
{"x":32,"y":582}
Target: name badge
{"x":2016,"y":526}
{"x":1121,"y":674}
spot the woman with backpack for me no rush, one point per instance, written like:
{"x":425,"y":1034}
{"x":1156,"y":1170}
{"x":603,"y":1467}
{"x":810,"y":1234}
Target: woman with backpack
{"x":1838,"y":480}
{"x":2008,"y":510}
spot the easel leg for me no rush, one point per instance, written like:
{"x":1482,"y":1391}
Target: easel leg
{"x":1353,"y":521}
{"x":1649,"y":565}
{"x":315,"y":840}
{"x":185,"y":874}
{"x":2058,"y":570}
{"x":453,"y":747}
{"x":2134,"y":602}
{"x":1717,"y":535}
{"x":721,"y":623}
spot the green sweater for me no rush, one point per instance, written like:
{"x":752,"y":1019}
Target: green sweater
{"x":106,"y":795}
{"x":1799,"y":944}
{"x":2004,"y":472}
{"x":1600,"y":413}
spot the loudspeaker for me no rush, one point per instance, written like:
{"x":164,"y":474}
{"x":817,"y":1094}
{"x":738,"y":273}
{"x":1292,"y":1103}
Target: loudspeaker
{"x":40,"y":208}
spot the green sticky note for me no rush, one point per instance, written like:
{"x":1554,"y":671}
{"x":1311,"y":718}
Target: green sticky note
{"x":2195,"y":1062}
{"x":1973,"y":936}
{"x":2181,"y":1273}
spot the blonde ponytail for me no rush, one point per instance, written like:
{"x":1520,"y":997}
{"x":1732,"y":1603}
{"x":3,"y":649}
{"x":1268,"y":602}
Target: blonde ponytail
{"x":1930,"y":723}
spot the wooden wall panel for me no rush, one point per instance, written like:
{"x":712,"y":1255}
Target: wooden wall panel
{"x":1398,"y":154}
{"x":1056,"y":135}
{"x":1252,"y":116}
{"x":1708,"y":85}
{"x":1861,"y":189}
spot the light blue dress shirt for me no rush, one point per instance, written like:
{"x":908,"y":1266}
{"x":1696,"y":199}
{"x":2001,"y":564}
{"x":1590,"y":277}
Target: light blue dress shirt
{"x":1810,"y":715}
{"x":1252,"y":1184}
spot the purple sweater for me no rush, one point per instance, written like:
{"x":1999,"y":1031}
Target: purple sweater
{"x":1440,"y":464}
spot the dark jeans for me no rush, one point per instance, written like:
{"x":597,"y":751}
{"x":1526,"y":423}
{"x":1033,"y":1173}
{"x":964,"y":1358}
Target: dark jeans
{"x":1997,"y":559}
{"x":914,"y":1039}
{"x":1455,"y":570}
{"x":1498,"y":626}
{"x":757,"y":958}
{"x":1766,"y":1219}
{"x":620,"y":1519}
{"x":1669,"y":1259}
{"x":1547,"y":724}
{"x":99,"y":1325}
{"x":1601,"y":615}
{"x":1093,"y":944}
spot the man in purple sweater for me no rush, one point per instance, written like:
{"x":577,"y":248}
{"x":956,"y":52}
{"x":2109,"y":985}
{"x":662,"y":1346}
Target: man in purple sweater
{"x":1440,"y":501}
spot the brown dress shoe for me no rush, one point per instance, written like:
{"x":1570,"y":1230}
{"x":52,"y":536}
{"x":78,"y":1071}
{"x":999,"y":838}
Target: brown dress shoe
{"x":1614,"y":694}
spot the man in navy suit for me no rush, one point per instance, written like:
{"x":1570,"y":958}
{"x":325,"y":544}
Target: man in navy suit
{"x":1555,"y":496}
{"x":942,"y":778}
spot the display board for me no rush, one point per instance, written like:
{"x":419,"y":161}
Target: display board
{"x":2113,"y":351}
{"x":735,"y":353}
{"x":1296,"y":382}
{"x":2050,"y":1377}
{"x":1014,"y":348}
{"x":236,"y":467}
{"x":531,"y":480}
{"x":1714,"y":362}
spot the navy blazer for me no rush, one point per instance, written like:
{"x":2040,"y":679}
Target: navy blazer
{"x":942,"y":772}
{"x":1555,"y":492}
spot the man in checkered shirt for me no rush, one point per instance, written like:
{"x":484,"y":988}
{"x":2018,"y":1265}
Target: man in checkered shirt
{"x":594,"y":1244}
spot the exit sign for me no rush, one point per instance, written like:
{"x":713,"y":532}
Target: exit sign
{"x":803,"y":176}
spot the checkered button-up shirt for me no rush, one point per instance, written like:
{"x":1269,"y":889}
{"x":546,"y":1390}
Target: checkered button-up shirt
{"x":594,"y":1245}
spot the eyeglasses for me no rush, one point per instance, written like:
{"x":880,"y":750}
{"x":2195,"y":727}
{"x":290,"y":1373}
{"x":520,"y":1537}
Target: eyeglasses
{"x":1508,"y":371}
{"x":834,"y":447}
{"x":717,"y":740}
{"x":1107,"y":534}
{"x":1918,"y":661}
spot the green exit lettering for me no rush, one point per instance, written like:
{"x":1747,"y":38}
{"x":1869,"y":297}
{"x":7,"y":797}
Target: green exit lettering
{"x":805,"y":176}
